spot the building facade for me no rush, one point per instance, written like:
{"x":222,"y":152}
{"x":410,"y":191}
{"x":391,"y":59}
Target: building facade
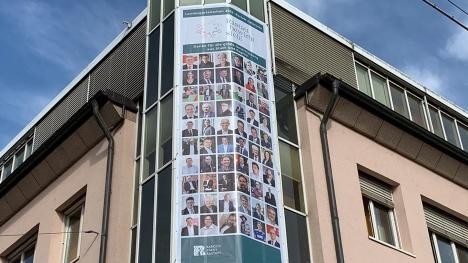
{"x":365,"y":165}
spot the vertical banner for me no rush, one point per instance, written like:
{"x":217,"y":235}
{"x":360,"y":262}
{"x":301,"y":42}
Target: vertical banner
{"x":229,"y":206}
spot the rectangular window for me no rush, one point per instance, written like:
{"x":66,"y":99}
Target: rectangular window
{"x":240,"y":3}
{"x":7,"y":169}
{"x":149,"y":161}
{"x":417,"y":110}
{"x":167,"y":59}
{"x":378,"y":209}
{"x":291,"y":176}
{"x":165,"y":130}
{"x":24,"y":254}
{"x":435,"y":119}
{"x":256,"y":9}
{"x":399,"y":100}
{"x":447,"y":251}
{"x":169,"y":5}
{"x":73,"y":229}
{"x":450,"y":130}
{"x":146,"y":222}
{"x":363,"y":80}
{"x":298,"y":242}
{"x":19,"y":158}
{"x":379,"y":85}
{"x":463,"y":130}
{"x":154,"y":13}
{"x":163,"y":217}
{"x":28,"y":148}
{"x":285,"y":110}
{"x":153,"y":68}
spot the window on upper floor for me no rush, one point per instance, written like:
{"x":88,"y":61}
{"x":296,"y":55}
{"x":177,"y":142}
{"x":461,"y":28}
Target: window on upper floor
{"x":23,"y":254}
{"x":448,"y":234}
{"x":378,"y":209}
{"x":73,"y":219}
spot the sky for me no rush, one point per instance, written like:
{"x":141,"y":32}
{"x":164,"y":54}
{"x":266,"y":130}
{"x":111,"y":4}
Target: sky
{"x":46,"y":43}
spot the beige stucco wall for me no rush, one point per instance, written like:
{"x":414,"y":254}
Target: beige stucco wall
{"x":348,"y":149}
{"x":89,"y":172}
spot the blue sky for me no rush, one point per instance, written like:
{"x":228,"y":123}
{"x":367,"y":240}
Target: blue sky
{"x":46,"y":43}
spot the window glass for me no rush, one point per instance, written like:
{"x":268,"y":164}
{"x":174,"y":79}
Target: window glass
{"x":169,"y":5}
{"x":214,"y":1}
{"x":367,"y":214}
{"x":379,"y":85}
{"x":399,"y":100}
{"x":146,"y":222}
{"x":19,"y":156}
{"x":298,"y":242}
{"x":29,"y":256}
{"x":165,"y":132}
{"x":240,"y":3}
{"x":190,"y":2}
{"x":383,"y":223}
{"x":285,"y":114}
{"x":436,"y":122}
{"x":167,"y":66}
{"x":290,"y":163}
{"x":163,"y":217}
{"x":363,"y":79}
{"x":256,"y":9}
{"x":140,"y":125}
{"x":149,"y":161}
{"x":445,"y":250}
{"x":450,"y":131}
{"x":136,"y":195}
{"x":154,"y":13}
{"x":73,"y":235}
{"x":7,"y":168}
{"x":133,"y":246}
{"x":462,"y":253}
{"x":153,"y":68}
{"x":463,"y":130}
{"x":292,"y":193}
{"x":417,"y":110}
{"x":29,"y":148}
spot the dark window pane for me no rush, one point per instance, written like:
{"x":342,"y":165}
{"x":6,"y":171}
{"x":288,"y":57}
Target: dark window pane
{"x":463,"y":130}
{"x":167,"y":66}
{"x":19,"y":157}
{"x":133,"y":245}
{"x":285,"y":111}
{"x":298,"y":242}
{"x":153,"y":68}
{"x":29,"y":148}
{"x":146,"y":221}
{"x":383,"y":223}
{"x":363,"y":80}
{"x":155,"y":13}
{"x":399,"y":100}
{"x":240,"y":3}
{"x":462,"y":254}
{"x":136,"y":195}
{"x":436,"y":122}
{"x":450,"y":131}
{"x":165,"y":132}
{"x":367,"y":214}
{"x":29,"y":256}
{"x":292,"y":193}
{"x":169,"y":5}
{"x":140,"y":124}
{"x":149,"y":161}
{"x":290,"y":163}
{"x":256,"y":9}
{"x":7,"y":169}
{"x":73,"y":236}
{"x":445,"y":250}
{"x":417,"y":111}
{"x":379,"y":86}
{"x":163,"y":216}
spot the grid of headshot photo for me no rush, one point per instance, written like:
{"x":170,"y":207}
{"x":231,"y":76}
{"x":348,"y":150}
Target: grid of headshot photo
{"x":228,"y":176}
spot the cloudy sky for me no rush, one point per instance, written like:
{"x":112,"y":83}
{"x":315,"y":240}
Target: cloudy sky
{"x":46,"y":43}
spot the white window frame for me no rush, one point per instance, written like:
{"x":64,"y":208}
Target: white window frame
{"x":20,"y":254}
{"x":453,"y":245}
{"x":80,"y":205}
{"x":393,"y":224}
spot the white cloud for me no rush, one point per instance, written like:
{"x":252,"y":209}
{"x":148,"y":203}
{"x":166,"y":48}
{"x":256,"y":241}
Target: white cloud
{"x":428,"y":77}
{"x":457,"y":45}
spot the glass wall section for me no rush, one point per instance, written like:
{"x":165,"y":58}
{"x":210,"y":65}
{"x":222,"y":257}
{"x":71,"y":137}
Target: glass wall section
{"x":417,"y":110}
{"x":19,"y":157}
{"x":29,"y":149}
{"x":450,"y":130}
{"x":164,"y":215}
{"x":379,"y":86}
{"x":285,"y":111}
{"x":463,"y":130}
{"x":7,"y":169}
{"x":149,"y":161}
{"x":167,"y":64}
{"x":146,"y":222}
{"x":256,"y":9}
{"x":154,"y":14}
{"x":298,"y":243}
{"x":291,"y":176}
{"x":363,"y":80}
{"x":399,"y":101}
{"x":190,"y":2}
{"x":240,"y":3}
{"x":169,"y":5}
{"x":153,"y":68}
{"x":165,"y":131}
{"x":435,"y":120}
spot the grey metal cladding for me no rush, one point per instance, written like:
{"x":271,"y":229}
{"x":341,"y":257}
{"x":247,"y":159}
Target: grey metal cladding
{"x":123,"y":70}
{"x":301,"y":50}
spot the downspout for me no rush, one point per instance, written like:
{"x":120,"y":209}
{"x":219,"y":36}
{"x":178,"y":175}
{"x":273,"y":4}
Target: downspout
{"x":107,"y":187}
{"x":329,"y":174}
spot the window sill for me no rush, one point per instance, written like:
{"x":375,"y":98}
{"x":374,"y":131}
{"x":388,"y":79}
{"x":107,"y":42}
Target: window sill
{"x":392,"y":247}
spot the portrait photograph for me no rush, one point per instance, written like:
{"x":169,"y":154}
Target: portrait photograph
{"x":238,"y":77}
{"x":253,"y":134}
{"x":237,"y":61}
{"x":261,"y":74}
{"x":208,"y":203}
{"x":190,"y":164}
{"x":273,"y":236}
{"x":241,"y":145}
{"x":259,"y":230}
{"x":255,"y":152}
{"x":225,"y":163}
{"x":222,"y":59}
{"x":252,"y":116}
{"x":206,"y":93}
{"x":265,"y":139}
{"x":249,"y":67}
{"x":265,"y":123}
{"x":190,"y":94}
{"x":258,"y":209}
{"x":249,"y":84}
{"x":242,"y":165}
{"x":206,"y":60}
{"x":190,"y":61}
{"x":239,"y":110}
{"x":267,"y":157}
{"x":268,"y":176}
{"x":243,"y":183}
{"x":224,"y":108}
{"x":190,"y":204}
{"x":224,"y":126}
{"x":239,"y":93}
{"x":245,"y":225}
{"x":190,"y":128}
{"x":227,"y":202}
{"x":251,"y":100}
{"x":190,"y":184}
{"x":256,"y":189}
{"x":223,"y":92}
{"x":190,"y":111}
{"x":255,"y":171}
{"x":223,"y":75}
{"x":228,"y":224}
{"x":225,"y":144}
{"x":189,"y":226}
{"x":208,"y":163}
{"x":207,"y":127}
{"x":226,"y":182}
{"x":190,"y":146}
{"x":262,"y":90}
{"x":270,"y":195}
{"x":190,"y":77}
{"x":209,"y":225}
{"x":263,"y":106}
{"x":208,"y":183}
{"x":207,"y":109}
{"x":206,"y":77}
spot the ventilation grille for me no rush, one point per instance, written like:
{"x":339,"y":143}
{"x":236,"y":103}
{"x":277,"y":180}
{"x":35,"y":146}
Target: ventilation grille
{"x":304,"y":51}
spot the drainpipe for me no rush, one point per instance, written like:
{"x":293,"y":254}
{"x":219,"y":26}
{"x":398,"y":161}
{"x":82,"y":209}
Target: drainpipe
{"x":107,"y":189}
{"x":329,"y":174}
